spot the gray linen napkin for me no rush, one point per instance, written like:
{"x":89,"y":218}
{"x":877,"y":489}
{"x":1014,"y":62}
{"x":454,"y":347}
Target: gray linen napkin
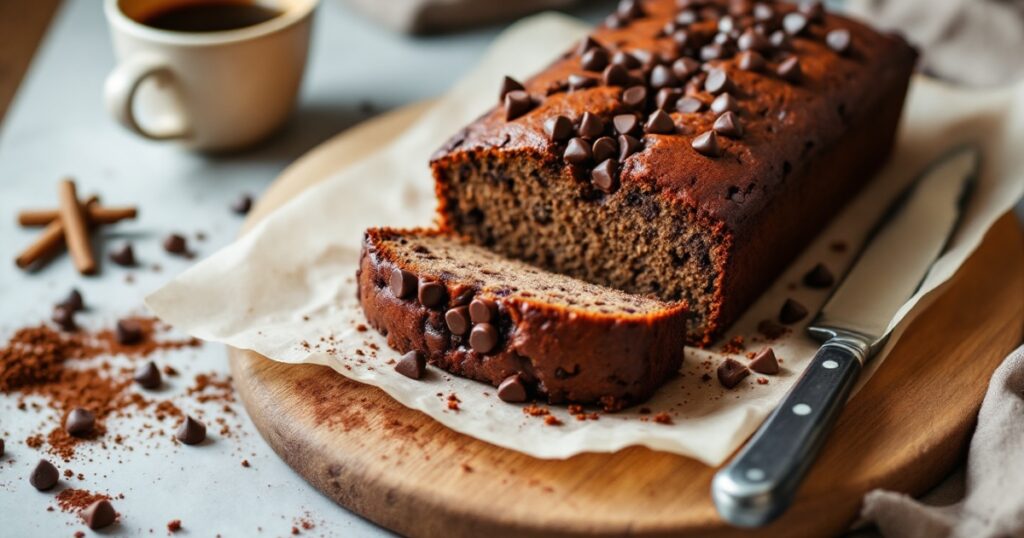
{"x":993,"y":504}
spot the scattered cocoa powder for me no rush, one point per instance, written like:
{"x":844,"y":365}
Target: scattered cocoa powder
{"x":552,"y":420}
{"x":74,"y":500}
{"x":174,"y":525}
{"x":734,"y":346}
{"x":663,"y":418}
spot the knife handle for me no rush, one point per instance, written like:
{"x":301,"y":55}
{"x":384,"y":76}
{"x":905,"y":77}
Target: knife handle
{"x":759,"y":484}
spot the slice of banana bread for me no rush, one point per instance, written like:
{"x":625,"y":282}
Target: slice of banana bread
{"x":477,"y":314}
{"x":687,"y":148}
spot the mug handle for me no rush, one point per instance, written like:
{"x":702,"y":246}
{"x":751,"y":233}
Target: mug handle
{"x":121,"y":86}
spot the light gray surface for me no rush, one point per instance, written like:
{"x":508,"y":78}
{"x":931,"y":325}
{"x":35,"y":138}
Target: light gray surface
{"x":58,"y":127}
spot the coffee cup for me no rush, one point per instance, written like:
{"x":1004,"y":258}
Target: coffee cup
{"x":214,"y":75}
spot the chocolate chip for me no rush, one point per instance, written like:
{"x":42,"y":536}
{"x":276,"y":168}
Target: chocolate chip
{"x":790,"y":70}
{"x":659,"y":123}
{"x":717,"y":82}
{"x":483,"y":310}
{"x":483,"y":338}
{"x":819,"y":277}
{"x":605,"y":148}
{"x":509,"y":84}
{"x":124,"y":256}
{"x":770,"y":329}
{"x":80,"y":422}
{"x":558,"y":128}
{"x":457,"y":320}
{"x":604,"y":176}
{"x":625,"y":59}
{"x":839,"y":40}
{"x":73,"y":301}
{"x":780,"y":40}
{"x":595,"y":59}
{"x":128,"y":332}
{"x":242,"y":204}
{"x":579,"y":82}
{"x":731,"y":372}
{"x":714,"y":51}
{"x":728,"y":125}
{"x":586,"y":44}
{"x":726,"y":24}
{"x":765,"y":362}
{"x":613,"y":21}
{"x":99,"y":514}
{"x":689,"y":105}
{"x":752,"y":40}
{"x":615,"y":75}
{"x":591,"y":126}
{"x":403,"y":283}
{"x":577,"y":152}
{"x":681,"y":38}
{"x":191,"y":431}
{"x":431,"y":293}
{"x":684,"y":68}
{"x":723,"y":39}
{"x":724,"y":103}
{"x":628,"y":146}
{"x":44,"y":476}
{"x":1,"y":448}
{"x":412,"y":365}
{"x":813,"y":10}
{"x":64,"y":317}
{"x":706,"y":143}
{"x":626,"y":123}
{"x":635,"y":97}
{"x":792,"y":312}
{"x":175,"y":244}
{"x":751,"y":61}
{"x":763,"y":12}
{"x":512,"y":389}
{"x":630,"y":9}
{"x":686,"y":17}
{"x":794,"y":23}
{"x":517,"y":103}
{"x":148,"y":376}
{"x":662,"y":76}
{"x":667,"y":97}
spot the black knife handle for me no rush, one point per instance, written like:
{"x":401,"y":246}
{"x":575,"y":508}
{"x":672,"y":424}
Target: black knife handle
{"x":759,"y":484}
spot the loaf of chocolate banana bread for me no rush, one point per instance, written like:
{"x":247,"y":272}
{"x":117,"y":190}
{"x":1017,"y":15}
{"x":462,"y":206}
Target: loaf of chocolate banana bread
{"x":529,"y":332}
{"x":687,"y":149}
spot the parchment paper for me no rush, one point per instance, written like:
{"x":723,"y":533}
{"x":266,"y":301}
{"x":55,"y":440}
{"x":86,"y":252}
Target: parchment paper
{"x":286,"y":289}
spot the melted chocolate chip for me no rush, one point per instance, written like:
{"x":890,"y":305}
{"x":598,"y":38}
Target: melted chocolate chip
{"x":792,"y":312}
{"x":558,"y":128}
{"x":604,"y":176}
{"x":706,"y":143}
{"x":765,"y":362}
{"x":412,"y":365}
{"x":431,"y":293}
{"x":731,"y":372}
{"x":403,"y":283}
{"x":483,"y":338}
{"x":512,"y":389}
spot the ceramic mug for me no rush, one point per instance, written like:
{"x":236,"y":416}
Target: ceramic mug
{"x":211,"y":90}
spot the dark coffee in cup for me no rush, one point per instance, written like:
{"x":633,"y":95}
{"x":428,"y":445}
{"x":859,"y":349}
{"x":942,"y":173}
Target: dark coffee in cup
{"x":212,"y":16}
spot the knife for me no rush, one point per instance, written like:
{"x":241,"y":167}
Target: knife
{"x":759,"y":483}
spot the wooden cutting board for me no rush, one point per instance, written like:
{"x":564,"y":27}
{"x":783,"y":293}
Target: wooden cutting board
{"x":904,"y":431}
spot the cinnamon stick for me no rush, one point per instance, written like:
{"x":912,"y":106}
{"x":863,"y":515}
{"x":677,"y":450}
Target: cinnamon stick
{"x":94,"y":214}
{"x":49,"y":241}
{"x":76,"y":234}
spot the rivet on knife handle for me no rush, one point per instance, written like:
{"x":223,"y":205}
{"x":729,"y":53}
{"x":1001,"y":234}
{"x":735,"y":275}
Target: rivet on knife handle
{"x":761,"y":481}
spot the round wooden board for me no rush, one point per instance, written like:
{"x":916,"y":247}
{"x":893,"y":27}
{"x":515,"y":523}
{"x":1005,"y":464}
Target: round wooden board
{"x":904,"y":431}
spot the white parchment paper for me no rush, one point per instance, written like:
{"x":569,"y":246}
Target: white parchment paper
{"x":286,"y":289}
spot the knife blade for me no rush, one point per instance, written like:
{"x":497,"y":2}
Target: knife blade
{"x":759,"y":483}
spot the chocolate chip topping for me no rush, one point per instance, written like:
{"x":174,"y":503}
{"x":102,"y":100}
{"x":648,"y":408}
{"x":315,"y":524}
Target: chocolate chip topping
{"x":577,"y":152}
{"x":706,"y":143}
{"x":813,"y":10}
{"x":591,"y":126}
{"x":586,"y":44}
{"x":765,"y":362}
{"x":728,"y":125}
{"x":780,"y":40}
{"x":73,"y":301}
{"x":604,"y":176}
{"x":483,"y":310}
{"x":790,"y":70}
{"x":431,"y":293}
{"x":80,"y":422}
{"x":175,"y":244}
{"x":685,"y":67}
{"x":605,"y":148}
{"x":64,"y":317}
{"x":579,"y":82}
{"x":753,"y":41}
{"x":725,"y":103}
{"x":635,"y":97}
{"x":510,"y":84}
{"x":792,"y":312}
{"x":630,"y":9}
{"x":662,"y":76}
{"x":483,"y":338}
{"x":44,"y":476}
{"x":626,"y":124}
{"x":628,"y":146}
{"x":731,"y":372}
{"x":517,"y":103}
{"x":710,"y":52}
{"x":412,"y":365}
{"x":794,"y":23}
{"x":819,"y":277}
{"x":124,"y":256}
{"x":615,"y":75}
{"x":148,"y":376}
{"x":659,"y":122}
{"x":751,"y":61}
{"x":99,"y":514}
{"x":625,"y":60}
{"x":839,"y":40}
{"x":667,"y":98}
{"x":689,"y":105}
{"x":242,"y":204}
{"x":191,"y":431}
{"x":717,"y":82}
{"x":457,"y":320}
{"x":558,"y":128}
{"x":595,"y":59}
{"x":128,"y":332}
{"x":763,"y":12}
{"x":512,"y":389}
{"x":403,"y":283}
